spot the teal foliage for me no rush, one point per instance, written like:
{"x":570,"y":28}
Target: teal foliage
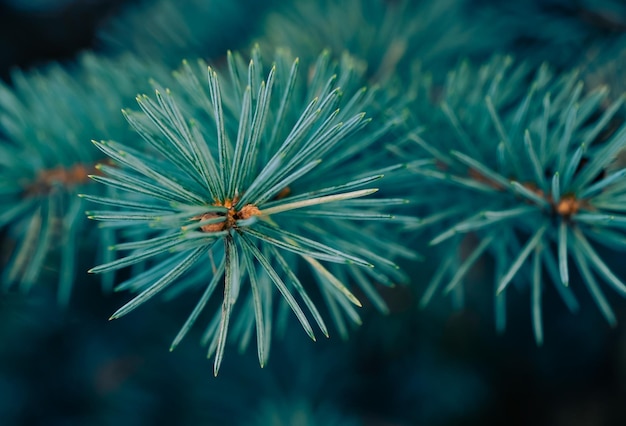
{"x":537,"y":29}
{"x":173,"y":30}
{"x":387,"y":35}
{"x":540,"y":167}
{"x":223,"y":155}
{"x":605,"y":65}
{"x":269,"y":173}
{"x":45,"y":118}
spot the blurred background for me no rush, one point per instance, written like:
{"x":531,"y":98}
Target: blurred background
{"x":438,"y":366}
{"x":33,"y":32}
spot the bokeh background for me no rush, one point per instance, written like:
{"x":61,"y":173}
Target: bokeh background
{"x":438,"y":366}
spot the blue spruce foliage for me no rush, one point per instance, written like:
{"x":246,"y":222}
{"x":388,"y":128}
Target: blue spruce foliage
{"x":364,"y":212}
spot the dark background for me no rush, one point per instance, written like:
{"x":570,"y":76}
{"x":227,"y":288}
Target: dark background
{"x":432,"y":367}
{"x":34,"y":32}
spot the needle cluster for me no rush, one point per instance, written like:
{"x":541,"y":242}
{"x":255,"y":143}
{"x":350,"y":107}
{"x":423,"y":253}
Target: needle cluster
{"x":531,"y":177}
{"x":244,"y":180}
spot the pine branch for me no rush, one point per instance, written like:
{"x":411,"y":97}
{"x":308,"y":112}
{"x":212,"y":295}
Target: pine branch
{"x":47,"y":119}
{"x":239,"y":187}
{"x":535,"y":169}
